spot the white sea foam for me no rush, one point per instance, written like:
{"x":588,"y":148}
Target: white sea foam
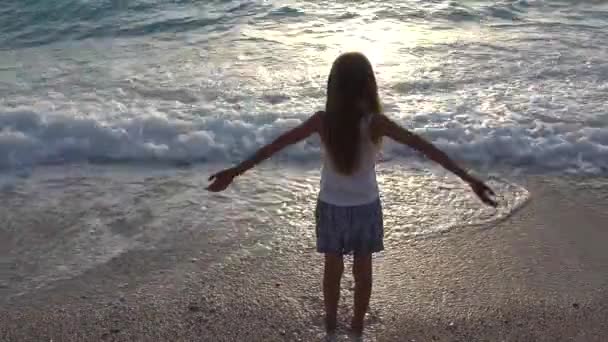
{"x":29,"y":138}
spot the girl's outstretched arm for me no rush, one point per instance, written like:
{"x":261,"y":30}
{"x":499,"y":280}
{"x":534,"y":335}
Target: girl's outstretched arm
{"x":389,"y":128}
{"x":222,"y":179}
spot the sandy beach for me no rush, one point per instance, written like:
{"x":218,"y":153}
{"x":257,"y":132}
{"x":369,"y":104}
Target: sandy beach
{"x":540,"y":275}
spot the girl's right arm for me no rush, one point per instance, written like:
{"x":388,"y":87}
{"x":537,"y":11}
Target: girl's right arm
{"x":222,"y":179}
{"x":391,"y":129}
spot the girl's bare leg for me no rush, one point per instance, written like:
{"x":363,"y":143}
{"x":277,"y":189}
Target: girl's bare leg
{"x":362,"y":272}
{"x":334,"y":267}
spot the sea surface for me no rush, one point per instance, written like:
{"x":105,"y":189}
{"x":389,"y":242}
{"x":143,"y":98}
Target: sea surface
{"x":114,"y":112}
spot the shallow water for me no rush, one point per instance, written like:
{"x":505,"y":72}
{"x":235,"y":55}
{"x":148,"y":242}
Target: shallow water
{"x":63,"y":221}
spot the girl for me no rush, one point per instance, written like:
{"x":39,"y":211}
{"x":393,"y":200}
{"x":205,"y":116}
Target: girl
{"x":348,"y":213}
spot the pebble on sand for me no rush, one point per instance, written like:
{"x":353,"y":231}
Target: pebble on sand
{"x":194,"y":308}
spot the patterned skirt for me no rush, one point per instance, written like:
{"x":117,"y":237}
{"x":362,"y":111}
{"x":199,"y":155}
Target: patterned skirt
{"x":344,"y":230}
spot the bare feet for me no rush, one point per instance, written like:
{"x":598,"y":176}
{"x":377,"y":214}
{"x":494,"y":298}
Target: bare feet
{"x":330,"y":337}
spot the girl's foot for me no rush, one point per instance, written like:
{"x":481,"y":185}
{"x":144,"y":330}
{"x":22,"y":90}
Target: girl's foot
{"x":330,"y":337}
{"x":354,"y":337}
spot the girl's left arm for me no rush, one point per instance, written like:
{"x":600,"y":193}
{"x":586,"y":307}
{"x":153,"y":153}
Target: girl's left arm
{"x":222,"y":179}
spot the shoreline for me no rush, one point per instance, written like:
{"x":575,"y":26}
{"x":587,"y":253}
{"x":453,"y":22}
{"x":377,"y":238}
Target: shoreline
{"x":539,"y":275}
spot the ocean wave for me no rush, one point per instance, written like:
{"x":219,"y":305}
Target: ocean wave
{"x":36,"y":23}
{"x":28,"y":139}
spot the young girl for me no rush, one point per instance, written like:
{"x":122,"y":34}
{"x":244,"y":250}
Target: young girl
{"x":348,"y":213}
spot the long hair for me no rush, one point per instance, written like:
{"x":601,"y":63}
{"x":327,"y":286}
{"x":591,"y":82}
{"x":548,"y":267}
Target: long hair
{"x":352,"y":93}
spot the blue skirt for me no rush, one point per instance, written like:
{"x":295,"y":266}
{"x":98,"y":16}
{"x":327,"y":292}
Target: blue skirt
{"x":344,"y":230}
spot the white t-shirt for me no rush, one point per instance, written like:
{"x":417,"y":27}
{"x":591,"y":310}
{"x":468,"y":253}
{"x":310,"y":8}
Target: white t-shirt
{"x":358,"y":188}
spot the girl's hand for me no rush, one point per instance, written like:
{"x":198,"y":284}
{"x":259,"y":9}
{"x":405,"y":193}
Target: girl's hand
{"x":483,"y":192}
{"x":222,"y":179}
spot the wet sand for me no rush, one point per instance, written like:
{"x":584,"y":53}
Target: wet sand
{"x":540,"y":275}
